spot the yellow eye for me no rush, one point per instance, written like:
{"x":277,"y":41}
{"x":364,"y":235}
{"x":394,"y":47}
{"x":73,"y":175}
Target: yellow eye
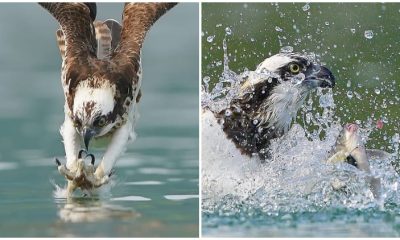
{"x":101,"y":122}
{"x":294,"y":68}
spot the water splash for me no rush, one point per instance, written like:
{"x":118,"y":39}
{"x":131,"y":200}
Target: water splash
{"x":368,"y":34}
{"x":297,"y":179}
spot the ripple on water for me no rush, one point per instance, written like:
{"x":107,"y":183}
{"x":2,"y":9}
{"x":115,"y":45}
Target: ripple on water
{"x":8,"y":165}
{"x":146,"y":183}
{"x":180,"y":197}
{"x":131,"y":198}
{"x":159,"y":171}
{"x":174,"y":179}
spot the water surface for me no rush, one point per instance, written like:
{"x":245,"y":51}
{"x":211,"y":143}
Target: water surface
{"x":161,"y":163}
{"x":359,"y":43}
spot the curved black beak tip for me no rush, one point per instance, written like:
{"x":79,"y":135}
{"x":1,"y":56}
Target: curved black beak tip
{"x":327,"y":78}
{"x":87,"y":136}
{"x":87,"y":140}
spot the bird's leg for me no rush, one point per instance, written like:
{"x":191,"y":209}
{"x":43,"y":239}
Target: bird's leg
{"x":72,"y":142}
{"x":114,"y":150}
{"x":71,"y":145}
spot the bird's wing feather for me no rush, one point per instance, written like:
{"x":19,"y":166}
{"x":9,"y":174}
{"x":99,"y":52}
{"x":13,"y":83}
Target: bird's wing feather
{"x":76,"y":24}
{"x":61,"y":43}
{"x":136,"y":22}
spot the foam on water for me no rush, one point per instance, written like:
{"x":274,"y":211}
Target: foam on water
{"x":297,"y":178}
{"x":60,"y":192}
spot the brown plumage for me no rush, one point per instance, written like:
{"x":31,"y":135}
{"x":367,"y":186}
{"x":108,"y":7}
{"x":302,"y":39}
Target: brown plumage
{"x":101,"y":59}
{"x":80,"y":51}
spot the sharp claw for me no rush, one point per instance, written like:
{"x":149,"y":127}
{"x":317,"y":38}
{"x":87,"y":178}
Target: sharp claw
{"x":80,"y":153}
{"x":112,"y":172}
{"x":58,"y":162}
{"x":93,"y":158}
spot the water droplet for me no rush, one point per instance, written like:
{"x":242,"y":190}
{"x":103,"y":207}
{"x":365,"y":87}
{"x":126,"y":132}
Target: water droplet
{"x":252,"y":39}
{"x":245,"y":5}
{"x":286,"y":49}
{"x":352,"y":30}
{"x":206,"y":79}
{"x":348,"y":83}
{"x":297,"y":79}
{"x":368,"y":34}
{"x":228,"y":31}
{"x":228,"y":112}
{"x":278,"y":29}
{"x":327,"y":23}
{"x":218,"y":25}
{"x":350,"y":94}
{"x":326,"y":100}
{"x":306,"y":7}
{"x":210,"y":38}
{"x":377,"y":91}
{"x":255,"y":122}
{"x":358,"y":96}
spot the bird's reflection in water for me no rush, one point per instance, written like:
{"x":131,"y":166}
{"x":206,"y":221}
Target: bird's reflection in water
{"x":86,"y":209}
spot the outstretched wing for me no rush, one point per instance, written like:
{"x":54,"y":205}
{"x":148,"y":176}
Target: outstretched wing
{"x":76,"y":24}
{"x":137,"y":19}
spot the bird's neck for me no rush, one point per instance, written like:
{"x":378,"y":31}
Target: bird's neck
{"x":240,"y":123}
{"x":255,"y":118}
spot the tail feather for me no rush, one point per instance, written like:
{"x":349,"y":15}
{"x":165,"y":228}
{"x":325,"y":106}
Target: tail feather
{"x":103,"y":37}
{"x":115,"y":29}
{"x":108,"y":35}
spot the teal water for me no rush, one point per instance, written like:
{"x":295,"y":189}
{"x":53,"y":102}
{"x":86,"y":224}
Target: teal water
{"x":156,"y":191}
{"x":359,"y":43}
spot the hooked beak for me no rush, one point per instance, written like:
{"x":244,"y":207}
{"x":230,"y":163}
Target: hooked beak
{"x":87,"y":134}
{"x":322,"y":78}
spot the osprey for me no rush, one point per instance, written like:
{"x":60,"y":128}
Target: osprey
{"x":263,"y":109}
{"x":101,"y":79}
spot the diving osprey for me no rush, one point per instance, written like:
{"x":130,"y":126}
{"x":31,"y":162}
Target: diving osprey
{"x":263,"y":109}
{"x":101,"y":78}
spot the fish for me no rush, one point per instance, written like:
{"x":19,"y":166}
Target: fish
{"x":350,"y":149}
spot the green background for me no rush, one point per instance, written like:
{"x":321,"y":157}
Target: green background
{"x":335,"y":32}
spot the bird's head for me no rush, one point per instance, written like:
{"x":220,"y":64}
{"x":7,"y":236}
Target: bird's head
{"x":277,"y":88}
{"x":93,"y":110}
{"x":297,"y":69}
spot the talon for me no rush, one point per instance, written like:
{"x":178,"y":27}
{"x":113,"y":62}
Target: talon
{"x":93,"y":158}
{"x":112,"y":172}
{"x":80,"y":153}
{"x":58,"y":162}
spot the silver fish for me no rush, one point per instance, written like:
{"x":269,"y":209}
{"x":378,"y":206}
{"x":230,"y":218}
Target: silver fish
{"x":349,"y":148}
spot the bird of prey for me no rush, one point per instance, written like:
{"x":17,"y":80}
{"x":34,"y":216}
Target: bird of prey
{"x":101,"y":79}
{"x":262,"y":110}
